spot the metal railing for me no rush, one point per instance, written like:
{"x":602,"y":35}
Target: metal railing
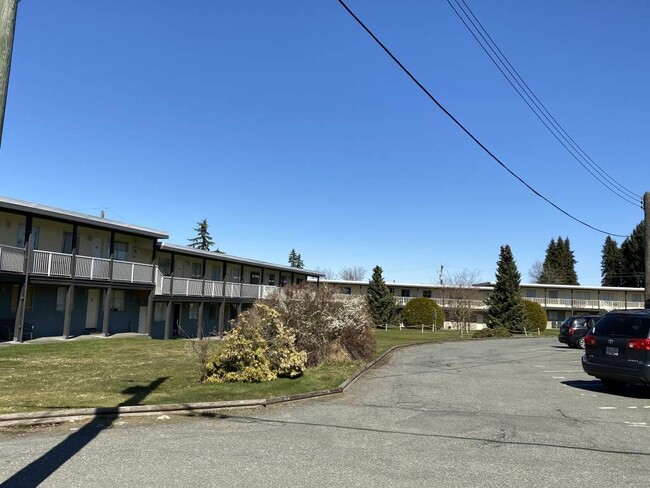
{"x":190,"y":287}
{"x":56,"y":264}
{"x":12,"y":259}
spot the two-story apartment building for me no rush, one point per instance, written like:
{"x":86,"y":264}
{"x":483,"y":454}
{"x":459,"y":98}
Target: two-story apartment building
{"x":559,"y":301}
{"x":64,"y":273}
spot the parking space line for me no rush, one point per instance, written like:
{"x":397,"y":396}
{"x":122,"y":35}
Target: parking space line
{"x":564,"y":371}
{"x":607,"y":408}
{"x":559,"y":378}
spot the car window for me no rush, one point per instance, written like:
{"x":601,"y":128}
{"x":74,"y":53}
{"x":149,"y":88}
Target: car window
{"x":624,"y":326}
{"x":579,"y":322}
{"x":567,"y":321}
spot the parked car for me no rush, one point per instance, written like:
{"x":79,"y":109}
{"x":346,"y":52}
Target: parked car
{"x":574,"y":329}
{"x":617,"y":349}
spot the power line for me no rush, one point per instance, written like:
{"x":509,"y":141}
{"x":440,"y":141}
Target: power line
{"x":459,"y":124}
{"x":537,"y":107}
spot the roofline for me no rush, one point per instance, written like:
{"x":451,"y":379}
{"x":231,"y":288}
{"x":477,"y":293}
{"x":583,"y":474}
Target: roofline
{"x":167,"y":246}
{"x":21,"y":206}
{"x":490,"y":286}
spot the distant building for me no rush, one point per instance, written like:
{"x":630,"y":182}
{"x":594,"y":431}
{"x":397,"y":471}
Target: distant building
{"x":559,"y":301}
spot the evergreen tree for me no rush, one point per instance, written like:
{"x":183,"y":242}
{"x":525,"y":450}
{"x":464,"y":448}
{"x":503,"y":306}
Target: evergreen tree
{"x":203,"y":240}
{"x":633,"y":257}
{"x":295,"y":260}
{"x":505,"y":305}
{"x":568,"y":263}
{"x":559,"y":264}
{"x":611,"y":264}
{"x":382,"y":304}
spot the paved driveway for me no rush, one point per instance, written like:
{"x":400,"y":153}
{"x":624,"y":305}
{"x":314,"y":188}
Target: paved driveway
{"x":491,"y":413}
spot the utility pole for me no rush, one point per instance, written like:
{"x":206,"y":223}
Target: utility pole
{"x":7,"y":27}
{"x":646,"y":213}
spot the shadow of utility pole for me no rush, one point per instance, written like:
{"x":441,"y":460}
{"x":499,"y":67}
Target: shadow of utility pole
{"x":40,"y":469}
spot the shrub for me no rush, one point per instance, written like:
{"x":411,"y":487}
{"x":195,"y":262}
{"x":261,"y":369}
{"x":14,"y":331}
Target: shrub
{"x":243,"y":358}
{"x":497,"y":332}
{"x":535,"y":316}
{"x":260,"y":348}
{"x":326,"y":326}
{"x":422,"y":311}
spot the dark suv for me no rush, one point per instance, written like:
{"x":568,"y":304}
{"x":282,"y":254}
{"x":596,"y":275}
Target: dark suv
{"x":617,"y":350}
{"x":574,"y":329}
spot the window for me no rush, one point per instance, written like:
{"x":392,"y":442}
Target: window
{"x":212,"y":311}
{"x":255,"y":278}
{"x":194,"y":311}
{"x":581,"y":295}
{"x":66,"y":247}
{"x":60,"y":298}
{"x":347,"y":290}
{"x":283,"y":281}
{"x":392,"y":291}
{"x":426,"y":293}
{"x":121,"y":251}
{"x":21,"y":236}
{"x":553,"y":294}
{"x":406,"y":293}
{"x":299,"y":281}
{"x":158,"y":312}
{"x":215,"y":273}
{"x":531,"y":293}
{"x":272,"y":279}
{"x":606,"y":296}
{"x":118,"y":300}
{"x":165,"y":266}
{"x":197,"y":271}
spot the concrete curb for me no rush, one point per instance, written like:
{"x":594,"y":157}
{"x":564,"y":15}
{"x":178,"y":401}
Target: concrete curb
{"x":61,"y":416}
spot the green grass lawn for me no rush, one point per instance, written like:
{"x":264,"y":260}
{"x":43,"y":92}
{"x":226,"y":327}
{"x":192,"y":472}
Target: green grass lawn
{"x":111,"y":372}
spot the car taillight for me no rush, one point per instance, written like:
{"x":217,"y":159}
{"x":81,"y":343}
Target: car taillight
{"x":591,"y":340}
{"x":571,"y":330}
{"x":639,"y":344}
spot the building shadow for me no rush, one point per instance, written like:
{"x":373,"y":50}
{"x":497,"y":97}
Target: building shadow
{"x":40,"y":469}
{"x":630,"y":391}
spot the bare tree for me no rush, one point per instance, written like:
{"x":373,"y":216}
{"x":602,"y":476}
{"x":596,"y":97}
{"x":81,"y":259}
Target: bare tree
{"x":330,"y":274}
{"x":537,"y":273}
{"x":352,"y":273}
{"x":461,"y":298}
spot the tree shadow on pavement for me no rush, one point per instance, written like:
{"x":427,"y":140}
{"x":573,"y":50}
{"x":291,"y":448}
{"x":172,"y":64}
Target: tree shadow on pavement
{"x":40,"y":469}
{"x":630,"y":391}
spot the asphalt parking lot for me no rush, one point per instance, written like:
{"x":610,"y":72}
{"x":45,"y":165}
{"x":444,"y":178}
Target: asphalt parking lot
{"x":491,"y":413}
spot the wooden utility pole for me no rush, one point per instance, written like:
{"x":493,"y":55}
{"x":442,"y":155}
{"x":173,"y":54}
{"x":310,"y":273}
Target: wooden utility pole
{"x":7,"y":27}
{"x":646,"y":212}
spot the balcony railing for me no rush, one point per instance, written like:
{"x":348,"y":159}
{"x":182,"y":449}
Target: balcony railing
{"x":191,"y":287}
{"x":55,"y":264}
{"x":12,"y":259}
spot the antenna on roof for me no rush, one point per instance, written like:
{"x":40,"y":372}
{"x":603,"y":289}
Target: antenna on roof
{"x":101,"y":214}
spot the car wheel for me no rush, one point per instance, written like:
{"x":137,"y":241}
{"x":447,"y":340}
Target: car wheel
{"x":581,"y":343}
{"x":612,"y":386}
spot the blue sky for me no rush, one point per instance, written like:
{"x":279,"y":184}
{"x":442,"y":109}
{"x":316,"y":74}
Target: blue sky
{"x":286,"y":127}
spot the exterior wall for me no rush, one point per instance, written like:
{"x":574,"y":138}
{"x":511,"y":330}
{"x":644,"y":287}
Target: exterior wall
{"x":93,"y":242}
{"x":9,"y":223}
{"x":140,"y":249}
{"x":50,"y":234}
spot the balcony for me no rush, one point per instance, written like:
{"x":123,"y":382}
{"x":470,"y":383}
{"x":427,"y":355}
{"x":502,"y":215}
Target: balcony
{"x":191,"y":287}
{"x":12,"y":259}
{"x":59,"y":265}
{"x":583,"y":304}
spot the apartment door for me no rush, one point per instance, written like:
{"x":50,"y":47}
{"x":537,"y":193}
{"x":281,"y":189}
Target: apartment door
{"x":96,"y":247}
{"x":176,"y":324}
{"x":142,"y":319}
{"x":92,"y":308}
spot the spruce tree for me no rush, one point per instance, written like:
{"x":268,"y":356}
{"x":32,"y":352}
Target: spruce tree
{"x":381,"y":303}
{"x":559,"y":264}
{"x":203,"y":240}
{"x":295,"y":260}
{"x":568,"y":264}
{"x":505,"y":305}
{"x":633,"y":257}
{"x":611,"y":264}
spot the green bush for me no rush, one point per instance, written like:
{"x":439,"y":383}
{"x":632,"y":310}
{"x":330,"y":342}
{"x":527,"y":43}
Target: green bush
{"x":260,"y":348}
{"x":421,"y":311}
{"x":535,"y":316}
{"x":498,"y":332}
